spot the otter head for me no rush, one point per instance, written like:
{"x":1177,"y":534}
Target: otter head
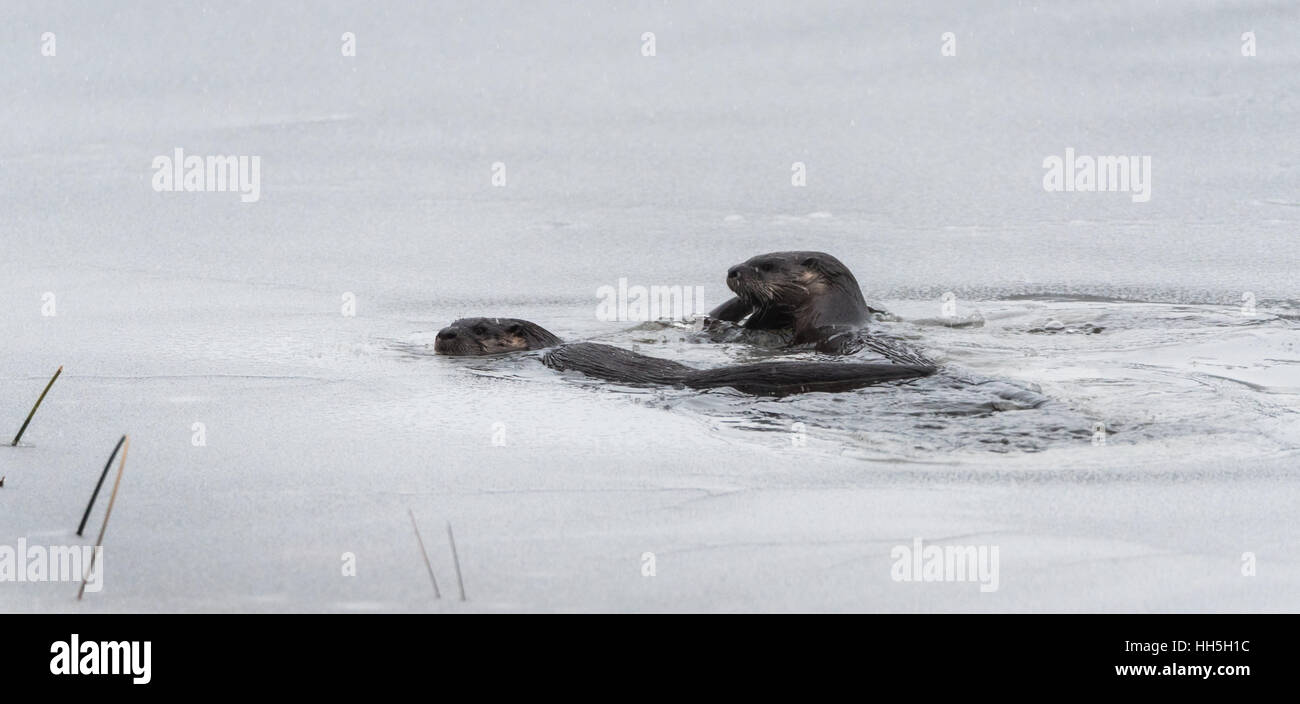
{"x":791,"y":280}
{"x":479,"y":336}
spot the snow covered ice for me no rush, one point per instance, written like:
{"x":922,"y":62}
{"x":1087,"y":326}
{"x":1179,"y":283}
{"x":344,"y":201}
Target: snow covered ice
{"x":924,"y":175}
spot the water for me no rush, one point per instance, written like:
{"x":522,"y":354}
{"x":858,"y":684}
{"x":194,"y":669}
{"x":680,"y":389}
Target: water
{"x":924,"y":177}
{"x":1030,"y":375}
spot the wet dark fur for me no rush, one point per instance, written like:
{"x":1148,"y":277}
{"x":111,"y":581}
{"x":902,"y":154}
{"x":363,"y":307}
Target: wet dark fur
{"x":811,"y":293}
{"x":470,"y":337}
{"x":760,"y":378}
{"x":483,"y":336}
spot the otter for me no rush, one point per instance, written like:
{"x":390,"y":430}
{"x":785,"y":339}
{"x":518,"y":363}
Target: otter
{"x":471,"y":337}
{"x":811,"y":293}
{"x":488,"y":336}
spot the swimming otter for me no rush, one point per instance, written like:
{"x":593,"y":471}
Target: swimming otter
{"x":484,"y":336}
{"x":479,"y":336}
{"x":811,"y":293}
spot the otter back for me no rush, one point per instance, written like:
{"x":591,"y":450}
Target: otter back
{"x":760,"y":378}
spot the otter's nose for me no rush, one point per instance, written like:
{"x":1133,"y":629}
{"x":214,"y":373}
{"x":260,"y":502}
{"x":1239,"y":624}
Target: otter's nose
{"x":733,"y":272}
{"x":446,"y":334}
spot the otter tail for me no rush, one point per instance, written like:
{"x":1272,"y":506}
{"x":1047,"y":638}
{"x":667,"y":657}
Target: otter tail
{"x":760,"y":378}
{"x":783,"y":378}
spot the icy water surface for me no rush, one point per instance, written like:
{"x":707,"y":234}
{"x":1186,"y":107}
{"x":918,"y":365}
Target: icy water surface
{"x":1032,"y":374}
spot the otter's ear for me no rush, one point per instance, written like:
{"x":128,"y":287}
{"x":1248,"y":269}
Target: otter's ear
{"x":818,"y":265}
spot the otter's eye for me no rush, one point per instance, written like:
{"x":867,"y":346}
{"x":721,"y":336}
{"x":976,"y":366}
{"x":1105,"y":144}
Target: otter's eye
{"x":515,"y":329}
{"x":766,"y":266}
{"x":479,"y":329}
